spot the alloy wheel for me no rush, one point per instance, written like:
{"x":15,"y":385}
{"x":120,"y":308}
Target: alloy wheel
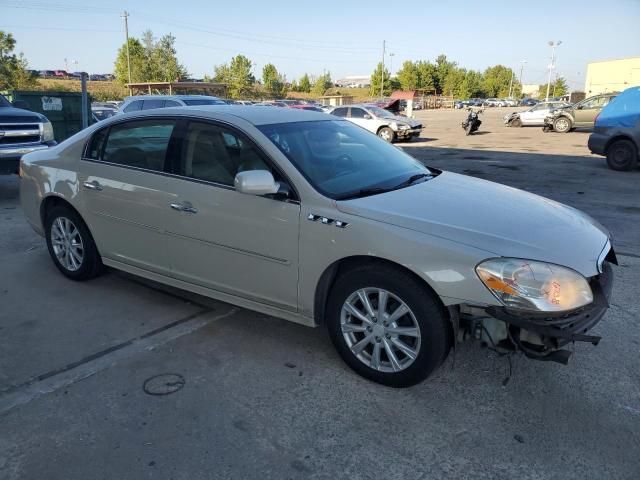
{"x":67,"y":244}
{"x":380,"y":329}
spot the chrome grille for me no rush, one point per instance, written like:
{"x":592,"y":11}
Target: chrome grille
{"x":19,"y":133}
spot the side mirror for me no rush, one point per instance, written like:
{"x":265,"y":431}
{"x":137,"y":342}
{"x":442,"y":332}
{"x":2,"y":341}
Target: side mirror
{"x":367,"y":116}
{"x":579,"y":107}
{"x":256,"y":182}
{"x":21,"y":104}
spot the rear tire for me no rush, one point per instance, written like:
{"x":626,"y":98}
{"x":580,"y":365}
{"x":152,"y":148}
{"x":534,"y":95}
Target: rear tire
{"x":71,"y":245}
{"x":562,"y":125}
{"x":386,"y":134}
{"x":375,"y":346}
{"x":622,"y":155}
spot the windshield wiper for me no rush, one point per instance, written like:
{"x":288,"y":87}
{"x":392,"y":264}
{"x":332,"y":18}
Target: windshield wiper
{"x":364,"y":192}
{"x":411,"y":179}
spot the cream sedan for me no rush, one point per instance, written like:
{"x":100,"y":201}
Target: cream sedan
{"x":310,"y":218}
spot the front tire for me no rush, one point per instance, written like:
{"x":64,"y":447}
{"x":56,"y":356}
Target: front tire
{"x":386,"y":134}
{"x":516,"y":122}
{"x":387,"y":326}
{"x":622,"y":155}
{"x":562,"y":125}
{"x":71,"y":245}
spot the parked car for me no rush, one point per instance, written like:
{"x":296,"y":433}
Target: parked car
{"x":102,"y":113}
{"x":528,"y":102}
{"x":616,"y":133}
{"x":462,"y":103}
{"x":377,"y":120}
{"x":47,"y":73}
{"x":581,"y":114}
{"x":60,"y":74}
{"x":21,"y":131}
{"x":493,"y":102}
{"x":147,"y":102}
{"x":534,"y":116}
{"x":510,"y":102}
{"x":312,"y":219}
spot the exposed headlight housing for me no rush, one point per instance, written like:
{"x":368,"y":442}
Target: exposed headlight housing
{"x":47,"y":132}
{"x":402,"y":126}
{"x":535,"y":286}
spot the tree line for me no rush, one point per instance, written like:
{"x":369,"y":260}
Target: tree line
{"x":155,"y":59}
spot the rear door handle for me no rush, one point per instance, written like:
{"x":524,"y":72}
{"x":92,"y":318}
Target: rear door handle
{"x":184,"y":207}
{"x":93,"y":185}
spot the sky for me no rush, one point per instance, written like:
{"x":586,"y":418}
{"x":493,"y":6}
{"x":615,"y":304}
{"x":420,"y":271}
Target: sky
{"x":342,"y":37}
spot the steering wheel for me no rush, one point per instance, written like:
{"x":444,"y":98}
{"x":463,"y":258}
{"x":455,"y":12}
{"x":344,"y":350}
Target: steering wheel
{"x":342,"y":164}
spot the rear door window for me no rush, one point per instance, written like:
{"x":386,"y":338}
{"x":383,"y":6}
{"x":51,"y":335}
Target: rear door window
{"x":154,"y":103}
{"x":133,"y":106}
{"x":357,"y":113}
{"x":340,"y":112}
{"x":139,"y":144}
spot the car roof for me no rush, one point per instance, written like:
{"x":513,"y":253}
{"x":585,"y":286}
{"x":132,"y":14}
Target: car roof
{"x":250,"y":113}
{"x":172,"y":97}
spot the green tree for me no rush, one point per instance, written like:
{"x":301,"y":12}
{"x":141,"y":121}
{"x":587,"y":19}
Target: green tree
{"x":442,"y":69}
{"x":237,"y":75}
{"x":558,"y":88}
{"x":151,"y":60}
{"x":426,"y":75}
{"x":408,"y":76}
{"x":305,"y":84}
{"x":164,"y":59}
{"x":471,"y":85}
{"x":497,"y":80}
{"x":322,"y":84}
{"x":377,"y":78}
{"x":13,"y":68}
{"x":273,"y":81}
{"x":452,"y":84}
{"x":139,"y":63}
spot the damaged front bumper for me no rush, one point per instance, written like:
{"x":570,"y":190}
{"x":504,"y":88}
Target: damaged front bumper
{"x":542,"y":336}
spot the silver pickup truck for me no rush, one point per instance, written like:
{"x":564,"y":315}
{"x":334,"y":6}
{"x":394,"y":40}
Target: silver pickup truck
{"x":21,"y":131}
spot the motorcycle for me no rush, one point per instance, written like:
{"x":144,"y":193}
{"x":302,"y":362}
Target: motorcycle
{"x":473,"y":122}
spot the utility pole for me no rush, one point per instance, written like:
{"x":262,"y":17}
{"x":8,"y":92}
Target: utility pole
{"x":125,"y":15}
{"x":552,"y":65}
{"x":521,"y":69}
{"x":511,"y":83}
{"x":384,"y":44}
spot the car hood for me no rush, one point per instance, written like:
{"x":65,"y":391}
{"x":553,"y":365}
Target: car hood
{"x":399,"y":118}
{"x":11,"y":115}
{"x":501,"y":220}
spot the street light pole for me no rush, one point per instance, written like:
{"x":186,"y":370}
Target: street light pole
{"x":552,"y":65}
{"x":391,"y":64}
{"x":521,"y":69}
{"x":384,"y":44}
{"x":125,"y":15}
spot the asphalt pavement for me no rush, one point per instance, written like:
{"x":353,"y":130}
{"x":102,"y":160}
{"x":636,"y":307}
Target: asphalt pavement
{"x":120,"y":378}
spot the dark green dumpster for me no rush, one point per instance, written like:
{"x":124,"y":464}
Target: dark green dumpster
{"x":63,"y":109}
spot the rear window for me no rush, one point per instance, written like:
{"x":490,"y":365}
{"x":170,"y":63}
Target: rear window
{"x":194,"y":102}
{"x":149,"y":104}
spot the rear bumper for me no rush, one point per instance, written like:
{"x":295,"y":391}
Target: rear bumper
{"x":597,"y":143}
{"x":557,"y":331}
{"x":10,"y":157}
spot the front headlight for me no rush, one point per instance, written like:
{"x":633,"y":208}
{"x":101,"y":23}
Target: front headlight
{"x":47,"y":132}
{"x":402,"y":126}
{"x":537,"y":286}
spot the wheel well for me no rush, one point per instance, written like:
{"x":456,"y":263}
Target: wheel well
{"x":333,"y":271}
{"x":383,"y":126}
{"x":619,"y":137}
{"x":51,"y":202}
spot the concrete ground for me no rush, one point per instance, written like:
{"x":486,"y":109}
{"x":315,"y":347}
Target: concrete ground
{"x":257,"y":397}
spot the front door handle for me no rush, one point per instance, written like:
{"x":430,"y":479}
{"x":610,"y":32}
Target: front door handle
{"x":184,"y":207}
{"x":93,"y":185}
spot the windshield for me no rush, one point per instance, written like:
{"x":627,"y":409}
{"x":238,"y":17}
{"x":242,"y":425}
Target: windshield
{"x":4,"y":102}
{"x":380,"y":112}
{"x":192,"y":103}
{"x":342,"y":160}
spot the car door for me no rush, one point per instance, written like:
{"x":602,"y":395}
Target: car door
{"x":360,"y":117}
{"x":124,"y":194}
{"x":585,"y":113}
{"x":234,"y":243}
{"x":534,"y":116}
